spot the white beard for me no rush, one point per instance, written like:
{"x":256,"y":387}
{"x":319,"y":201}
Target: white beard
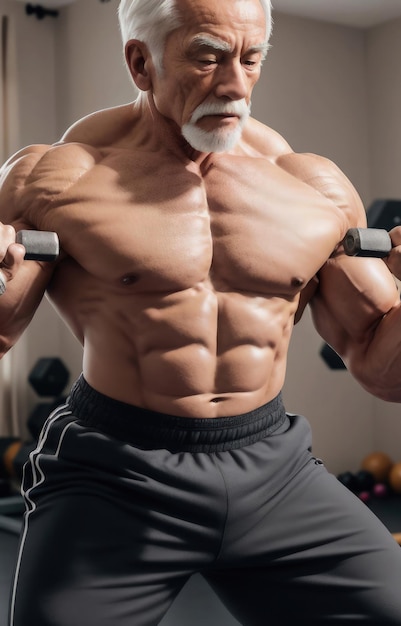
{"x":221,"y":139}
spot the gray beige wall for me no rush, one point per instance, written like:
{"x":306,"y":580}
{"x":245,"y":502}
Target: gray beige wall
{"x":328,"y":89}
{"x":36,"y":44}
{"x":383,"y":59}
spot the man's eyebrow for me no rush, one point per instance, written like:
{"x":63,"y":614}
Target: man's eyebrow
{"x":209,"y":41}
{"x":215,"y":43}
{"x":263,"y":48}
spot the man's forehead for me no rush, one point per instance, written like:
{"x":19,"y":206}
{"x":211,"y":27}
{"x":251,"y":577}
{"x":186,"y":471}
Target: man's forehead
{"x":218,"y":11}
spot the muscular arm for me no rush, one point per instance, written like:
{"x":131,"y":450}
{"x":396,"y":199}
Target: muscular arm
{"x":26,"y":281}
{"x":356,"y":307}
{"x":357,"y":311}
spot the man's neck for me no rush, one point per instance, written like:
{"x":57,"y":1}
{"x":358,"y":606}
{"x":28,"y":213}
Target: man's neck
{"x":165,"y":131}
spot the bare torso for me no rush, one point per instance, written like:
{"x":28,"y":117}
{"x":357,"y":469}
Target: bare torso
{"x":182,"y":278}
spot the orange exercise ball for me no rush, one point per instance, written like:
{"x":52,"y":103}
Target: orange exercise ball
{"x":379,"y":464}
{"x":394,"y":478}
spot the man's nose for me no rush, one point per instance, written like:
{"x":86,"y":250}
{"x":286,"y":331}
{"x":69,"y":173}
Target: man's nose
{"x":232,"y":81}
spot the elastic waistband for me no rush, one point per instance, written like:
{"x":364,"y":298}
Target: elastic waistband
{"x":152,"y":430}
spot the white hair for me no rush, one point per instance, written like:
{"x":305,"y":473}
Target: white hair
{"x":151,"y":21}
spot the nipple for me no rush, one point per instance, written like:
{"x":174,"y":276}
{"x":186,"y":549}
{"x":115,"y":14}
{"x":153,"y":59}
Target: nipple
{"x":129,"y":279}
{"x":297,"y":282}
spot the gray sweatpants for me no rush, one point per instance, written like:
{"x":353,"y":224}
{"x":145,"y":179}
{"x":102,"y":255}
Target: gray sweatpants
{"x":124,"y":505}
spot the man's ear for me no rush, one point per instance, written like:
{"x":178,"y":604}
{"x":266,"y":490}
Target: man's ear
{"x":139,"y":63}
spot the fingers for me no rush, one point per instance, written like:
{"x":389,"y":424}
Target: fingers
{"x":11,"y":255}
{"x":393,"y":260}
{"x":395,"y":235}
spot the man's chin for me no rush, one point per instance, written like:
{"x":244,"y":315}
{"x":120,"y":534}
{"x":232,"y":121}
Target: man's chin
{"x":222,"y":140}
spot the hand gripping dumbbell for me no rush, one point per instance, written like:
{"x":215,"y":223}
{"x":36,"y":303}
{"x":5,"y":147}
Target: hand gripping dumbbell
{"x":39,"y":246}
{"x":373,"y":242}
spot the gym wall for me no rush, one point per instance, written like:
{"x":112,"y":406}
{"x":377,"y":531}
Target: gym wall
{"x":383,"y":56}
{"x":323,"y":87}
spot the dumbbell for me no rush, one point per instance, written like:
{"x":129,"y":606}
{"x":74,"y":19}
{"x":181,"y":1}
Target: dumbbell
{"x":372,"y":242}
{"x":39,"y":245}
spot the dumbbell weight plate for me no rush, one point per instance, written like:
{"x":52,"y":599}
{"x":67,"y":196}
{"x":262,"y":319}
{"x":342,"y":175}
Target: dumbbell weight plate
{"x":367,"y":242}
{"x":40,"y":245}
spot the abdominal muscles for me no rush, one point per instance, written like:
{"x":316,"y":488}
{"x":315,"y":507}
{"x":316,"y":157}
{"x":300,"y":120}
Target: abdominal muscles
{"x":212,"y":354}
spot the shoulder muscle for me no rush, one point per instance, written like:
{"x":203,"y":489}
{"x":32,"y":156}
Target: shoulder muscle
{"x":36,"y":175}
{"x":328,"y":180}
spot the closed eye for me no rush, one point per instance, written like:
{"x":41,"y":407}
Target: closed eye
{"x":253,"y":61}
{"x":207,"y":61}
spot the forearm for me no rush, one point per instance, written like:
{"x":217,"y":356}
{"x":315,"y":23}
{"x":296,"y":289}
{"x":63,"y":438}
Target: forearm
{"x":376,"y":363}
{"x":357,"y":310}
{"x":378,"y":366}
{"x":19,"y":302}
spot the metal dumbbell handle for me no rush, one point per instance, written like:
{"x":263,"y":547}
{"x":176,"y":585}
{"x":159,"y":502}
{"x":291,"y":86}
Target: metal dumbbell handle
{"x":40,"y":245}
{"x":373,"y":242}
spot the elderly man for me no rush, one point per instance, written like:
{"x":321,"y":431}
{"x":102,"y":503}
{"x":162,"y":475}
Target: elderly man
{"x":192,"y":239}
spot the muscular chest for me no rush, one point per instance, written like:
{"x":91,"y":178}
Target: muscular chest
{"x":243,"y":226}
{"x":268,"y":228}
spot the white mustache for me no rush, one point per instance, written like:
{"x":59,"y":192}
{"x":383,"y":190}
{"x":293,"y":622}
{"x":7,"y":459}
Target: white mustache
{"x":238,"y":107}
